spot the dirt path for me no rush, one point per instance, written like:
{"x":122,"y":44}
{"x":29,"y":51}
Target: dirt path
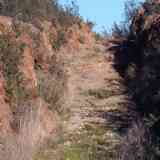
{"x":95,"y":94}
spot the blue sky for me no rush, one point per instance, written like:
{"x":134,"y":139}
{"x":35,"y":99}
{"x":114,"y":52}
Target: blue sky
{"x":103,"y":12}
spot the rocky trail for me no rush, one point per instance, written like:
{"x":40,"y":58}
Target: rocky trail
{"x":96,"y":105}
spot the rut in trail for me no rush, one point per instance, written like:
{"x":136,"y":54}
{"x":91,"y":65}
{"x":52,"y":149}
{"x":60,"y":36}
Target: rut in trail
{"x":97,"y":103}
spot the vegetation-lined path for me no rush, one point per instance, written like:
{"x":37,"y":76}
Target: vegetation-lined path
{"x":96,"y":99}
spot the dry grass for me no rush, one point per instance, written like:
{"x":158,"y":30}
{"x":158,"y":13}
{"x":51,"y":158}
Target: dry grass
{"x":24,"y":144}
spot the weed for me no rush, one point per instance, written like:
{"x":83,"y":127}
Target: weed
{"x":52,"y":85}
{"x":100,"y":93}
{"x":10,"y":57}
{"x":56,"y":44}
{"x":16,"y":29}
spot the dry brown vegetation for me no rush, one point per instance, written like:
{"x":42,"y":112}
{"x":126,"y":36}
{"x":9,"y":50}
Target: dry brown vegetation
{"x":25,"y":143}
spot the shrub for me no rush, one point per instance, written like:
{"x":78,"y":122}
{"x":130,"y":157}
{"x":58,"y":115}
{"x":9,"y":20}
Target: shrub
{"x":60,"y":41}
{"x":137,"y":61}
{"x":138,"y":144}
{"x":27,"y":10}
{"x":52,"y":85}
{"x":10,"y":57}
{"x":98,"y":36}
{"x":90,"y":24}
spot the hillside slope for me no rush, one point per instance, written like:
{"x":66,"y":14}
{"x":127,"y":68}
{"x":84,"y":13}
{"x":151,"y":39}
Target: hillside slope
{"x":97,"y":113}
{"x":63,"y":96}
{"x":34,"y":81}
{"x":77,"y":80}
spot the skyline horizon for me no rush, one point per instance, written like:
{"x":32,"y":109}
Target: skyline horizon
{"x":96,"y":12}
